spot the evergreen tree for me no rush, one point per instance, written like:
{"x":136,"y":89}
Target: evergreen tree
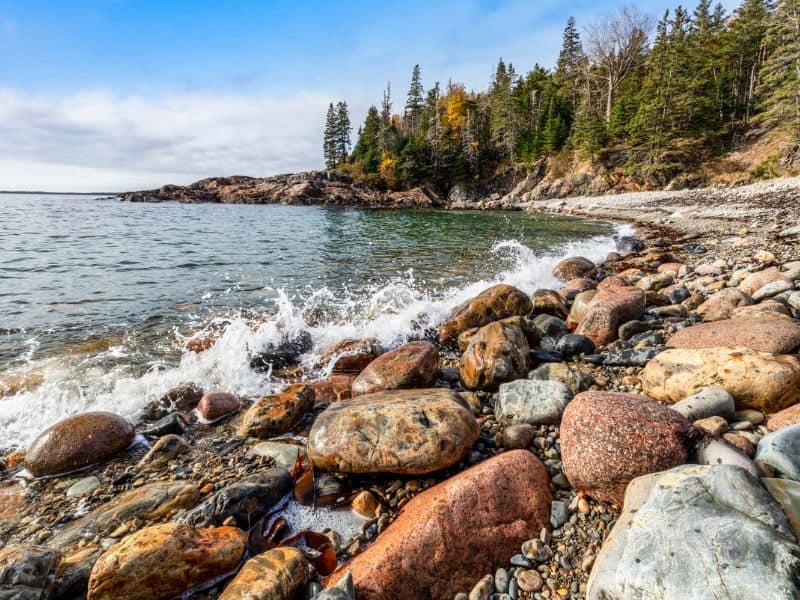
{"x":414,"y":102}
{"x":330,"y":138}
{"x":780,"y":83}
{"x":343,"y":130}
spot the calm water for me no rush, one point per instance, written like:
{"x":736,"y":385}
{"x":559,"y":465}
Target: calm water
{"x":97,"y":296}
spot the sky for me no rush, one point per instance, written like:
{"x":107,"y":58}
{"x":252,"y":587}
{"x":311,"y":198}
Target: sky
{"x":113,"y":95}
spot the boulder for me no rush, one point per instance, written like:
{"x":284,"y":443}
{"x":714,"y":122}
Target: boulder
{"x":180,"y":398}
{"x":781,"y":450}
{"x":495,"y":303}
{"x":548,"y":302}
{"x":215,"y":405}
{"x":277,"y":574}
{"x":77,"y":442}
{"x":449,"y":534}
{"x":350,"y":356}
{"x":755,"y":281}
{"x":722,"y":304}
{"x":579,"y":307}
{"x":278,"y":413}
{"x":412,"y":365}
{"x":497,"y":353}
{"x":574,"y":267}
{"x":164,"y":561}
{"x":609,"y":438}
{"x":784,"y":418}
{"x":532,"y":402}
{"x":765,"y":382}
{"x":695,"y":531}
{"x":332,"y":389}
{"x":764,"y":334}
{"x":28,"y":572}
{"x":610,"y":308}
{"x":284,"y":353}
{"x":575,"y":286}
{"x":708,"y":402}
{"x":409,"y":432}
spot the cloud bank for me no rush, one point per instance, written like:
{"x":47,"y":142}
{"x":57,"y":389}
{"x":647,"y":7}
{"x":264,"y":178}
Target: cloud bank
{"x":96,"y":140}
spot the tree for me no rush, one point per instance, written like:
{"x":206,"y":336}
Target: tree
{"x":343,"y":130}
{"x":330,"y":138}
{"x":615,"y":45}
{"x":780,"y":85}
{"x":414,"y":102}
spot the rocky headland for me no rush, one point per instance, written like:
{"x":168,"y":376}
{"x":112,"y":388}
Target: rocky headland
{"x":634,"y":433}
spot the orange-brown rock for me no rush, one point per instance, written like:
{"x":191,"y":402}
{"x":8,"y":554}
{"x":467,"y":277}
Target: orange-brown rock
{"x":673,"y":268}
{"x":495,"y":303}
{"x":164,"y":561}
{"x":548,"y":302}
{"x":278,"y":413}
{"x":608,"y":309}
{"x":497,"y":353}
{"x":764,"y":334}
{"x":277,"y":574}
{"x":721,"y":304}
{"x":755,"y":281}
{"x":768,"y":308}
{"x":609,"y":438}
{"x":612,"y":282}
{"x":412,"y":365}
{"x":408,"y":432}
{"x":575,"y":286}
{"x":215,"y":405}
{"x":574,"y":267}
{"x":350,"y":356}
{"x":448,"y":535}
{"x":784,"y":418}
{"x":77,"y":442}
{"x":333,"y":388}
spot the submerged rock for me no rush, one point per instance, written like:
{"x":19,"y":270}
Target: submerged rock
{"x":412,"y":365}
{"x":274,"y":575}
{"x":693,"y":530}
{"x":404,"y":432}
{"x":77,"y":442}
{"x":452,"y":532}
{"x":497,"y":353}
{"x":495,"y":303}
{"x":283,"y":354}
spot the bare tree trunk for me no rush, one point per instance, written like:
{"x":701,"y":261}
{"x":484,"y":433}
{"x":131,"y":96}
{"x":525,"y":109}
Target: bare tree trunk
{"x":610,"y":98}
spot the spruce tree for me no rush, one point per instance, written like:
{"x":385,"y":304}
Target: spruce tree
{"x":330,"y":142}
{"x":343,"y":130}
{"x":779,"y":90}
{"x":414,"y":102}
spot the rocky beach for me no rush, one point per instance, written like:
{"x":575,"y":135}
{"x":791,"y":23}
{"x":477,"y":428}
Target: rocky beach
{"x":632,"y":433}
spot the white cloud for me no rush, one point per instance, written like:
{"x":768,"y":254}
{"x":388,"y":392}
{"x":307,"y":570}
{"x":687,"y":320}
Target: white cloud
{"x":97,"y":140}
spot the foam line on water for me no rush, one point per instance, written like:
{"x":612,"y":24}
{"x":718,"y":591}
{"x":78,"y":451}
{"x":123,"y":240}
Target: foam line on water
{"x":392,"y":312}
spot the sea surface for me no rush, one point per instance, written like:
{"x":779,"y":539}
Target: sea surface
{"x":98,"y":298}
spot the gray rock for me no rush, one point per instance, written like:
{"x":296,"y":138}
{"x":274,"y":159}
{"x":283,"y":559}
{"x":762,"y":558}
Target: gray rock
{"x":343,"y":590}
{"x":715,"y":451}
{"x":549,"y":326}
{"x":635,"y":357}
{"x":532,"y":402}
{"x":781,"y":450}
{"x":696,"y":532}
{"x":577,"y":381}
{"x":501,"y":581}
{"x":27,"y":572}
{"x":772,"y":289}
{"x":483,"y":589}
{"x":83,"y":487}
{"x":284,"y":454}
{"x":709,"y":402}
{"x":559,"y":513}
{"x":787,"y":493}
{"x":794,"y":300}
{"x":572,"y":344}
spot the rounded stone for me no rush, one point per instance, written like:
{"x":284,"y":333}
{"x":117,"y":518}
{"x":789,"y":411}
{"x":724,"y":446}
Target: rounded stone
{"x":492,"y":304}
{"x":215,"y":405}
{"x":277,"y":414}
{"x":574,"y":267}
{"x":275,"y":574}
{"x":497,"y":353}
{"x":412,"y":365}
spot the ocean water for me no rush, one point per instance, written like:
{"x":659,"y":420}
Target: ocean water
{"x":98,"y":297}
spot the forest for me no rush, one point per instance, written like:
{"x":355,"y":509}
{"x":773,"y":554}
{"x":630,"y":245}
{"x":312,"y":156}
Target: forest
{"x":651,"y":98}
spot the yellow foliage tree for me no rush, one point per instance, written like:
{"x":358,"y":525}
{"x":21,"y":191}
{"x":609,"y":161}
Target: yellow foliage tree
{"x":388,"y":169}
{"x":455,"y":118}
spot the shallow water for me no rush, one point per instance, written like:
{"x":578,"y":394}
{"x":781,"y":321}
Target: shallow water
{"x":97,"y":297}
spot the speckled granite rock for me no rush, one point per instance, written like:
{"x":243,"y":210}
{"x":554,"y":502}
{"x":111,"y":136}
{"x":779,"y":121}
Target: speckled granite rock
{"x":763,"y":334}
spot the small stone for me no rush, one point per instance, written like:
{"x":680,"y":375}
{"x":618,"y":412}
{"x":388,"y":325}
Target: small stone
{"x":754,"y":417}
{"x":716,"y":426}
{"x":532,"y":402}
{"x":559,"y":514}
{"x":518,"y":437}
{"x":365,"y":504}
{"x":501,"y":580}
{"x":583,"y":505}
{"x":708,"y":402}
{"x":483,"y":589}
{"x":83,"y":487}
{"x":529,"y":580}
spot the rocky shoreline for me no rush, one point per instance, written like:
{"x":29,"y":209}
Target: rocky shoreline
{"x":633,"y":433}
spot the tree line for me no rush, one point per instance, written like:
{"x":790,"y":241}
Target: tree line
{"x":650,"y":97}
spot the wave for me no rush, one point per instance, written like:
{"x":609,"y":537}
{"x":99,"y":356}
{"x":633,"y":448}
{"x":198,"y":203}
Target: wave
{"x":392,"y":312}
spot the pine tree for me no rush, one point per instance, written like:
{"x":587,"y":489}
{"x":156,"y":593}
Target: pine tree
{"x":414,"y":102}
{"x":330,"y":138}
{"x":780,"y":86}
{"x":343,"y":130}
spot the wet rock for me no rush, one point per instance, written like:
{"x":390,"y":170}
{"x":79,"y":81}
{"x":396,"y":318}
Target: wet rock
{"x":518,"y":437}
{"x":781,"y":450}
{"x":575,"y":379}
{"x":635,"y":357}
{"x":164,"y":450}
{"x":332,"y":389}
{"x":785,"y":418}
{"x":764,"y":334}
{"x":283,"y":453}
{"x":341,"y":590}
{"x":403,"y":432}
{"x":548,"y":326}
{"x":575,"y":286}
{"x":274,"y":575}
{"x":181,"y":398}
{"x":412,"y":365}
{"x":27,"y":572}
{"x":497,"y":353}
{"x":708,"y":402}
{"x":350,"y":356}
{"x":426,"y":553}
{"x":146,"y":503}
{"x":574,"y":267}
{"x":215,"y":405}
{"x":77,"y":442}
{"x":756,"y":380}
{"x":493,"y":304}
{"x":755,"y":281}
{"x":246,"y":501}
{"x":532,"y":402}
{"x":172,"y":423}
{"x":548,"y":302}
{"x":739,"y":537}
{"x":579,"y":307}
{"x":722,"y":304}
{"x":608,"y":439}
{"x":164,"y":561}
{"x":610,"y":308}
{"x":83,"y":487}
{"x":365,"y":504}
{"x":283,"y":354}
{"x":278,"y":413}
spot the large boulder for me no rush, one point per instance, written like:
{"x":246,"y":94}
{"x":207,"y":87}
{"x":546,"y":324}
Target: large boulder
{"x":77,"y":442}
{"x":28,"y":572}
{"x":164,"y":561}
{"x":608,"y":309}
{"x":765,"y":382}
{"x":755,"y":281}
{"x":412,"y":365}
{"x":350,"y":356}
{"x":408,"y":432}
{"x":495,"y":303}
{"x":765,"y":334}
{"x":448,"y":535}
{"x":697,"y":532}
{"x":496,"y":354}
{"x":278,"y":413}
{"x":573,"y":268}
{"x":530,"y":401}
{"x":609,"y":438}
{"x":277,"y":574}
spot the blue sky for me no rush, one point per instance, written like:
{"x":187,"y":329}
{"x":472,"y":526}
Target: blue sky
{"x":118,"y":94}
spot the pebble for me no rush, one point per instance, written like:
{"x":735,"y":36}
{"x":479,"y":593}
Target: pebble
{"x":83,"y":487}
{"x":501,"y":581}
{"x":483,"y":589}
{"x":559,"y":513}
{"x":529,"y":580}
